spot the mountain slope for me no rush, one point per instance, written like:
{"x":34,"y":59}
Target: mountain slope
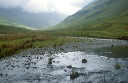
{"x":6,"y":29}
{"x":16,"y":16}
{"x":99,"y":15}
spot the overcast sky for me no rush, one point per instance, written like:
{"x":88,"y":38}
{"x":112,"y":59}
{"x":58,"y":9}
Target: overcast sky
{"x":63,"y":6}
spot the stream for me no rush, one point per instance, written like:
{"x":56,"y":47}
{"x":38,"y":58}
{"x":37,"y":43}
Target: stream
{"x":102,"y":55}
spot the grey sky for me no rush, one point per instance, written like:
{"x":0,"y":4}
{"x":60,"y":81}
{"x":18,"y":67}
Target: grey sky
{"x":62,"y":6}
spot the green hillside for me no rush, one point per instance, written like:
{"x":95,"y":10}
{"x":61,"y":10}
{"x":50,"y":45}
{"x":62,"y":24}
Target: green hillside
{"x":102,"y":16}
{"x":4,"y":21}
{"x":6,"y":29}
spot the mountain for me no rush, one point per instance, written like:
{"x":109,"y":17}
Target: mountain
{"x":100,"y":15}
{"x":16,"y":16}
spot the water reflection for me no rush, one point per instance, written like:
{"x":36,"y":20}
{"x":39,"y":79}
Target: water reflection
{"x":93,"y":60}
{"x":113,"y":52}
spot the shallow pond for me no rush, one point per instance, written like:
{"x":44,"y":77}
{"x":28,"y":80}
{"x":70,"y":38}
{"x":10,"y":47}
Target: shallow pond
{"x":101,"y":55}
{"x":113,"y":52}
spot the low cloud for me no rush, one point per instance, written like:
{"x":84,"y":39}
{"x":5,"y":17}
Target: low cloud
{"x":62,"y":6}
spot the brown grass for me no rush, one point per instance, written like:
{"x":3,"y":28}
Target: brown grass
{"x":25,"y":41}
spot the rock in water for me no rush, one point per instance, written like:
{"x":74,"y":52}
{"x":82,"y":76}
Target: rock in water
{"x":84,"y":61}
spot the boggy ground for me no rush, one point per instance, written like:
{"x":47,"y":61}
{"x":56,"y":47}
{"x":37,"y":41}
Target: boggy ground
{"x":32,"y":65}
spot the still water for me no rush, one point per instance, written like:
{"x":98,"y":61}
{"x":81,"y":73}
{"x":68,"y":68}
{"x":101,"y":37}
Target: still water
{"x":28,"y":67}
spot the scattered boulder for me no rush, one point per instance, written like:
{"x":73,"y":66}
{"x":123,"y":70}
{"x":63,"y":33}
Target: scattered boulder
{"x":69,"y":66}
{"x":122,"y":82}
{"x":50,"y":60}
{"x":65,"y":70}
{"x":84,"y":60}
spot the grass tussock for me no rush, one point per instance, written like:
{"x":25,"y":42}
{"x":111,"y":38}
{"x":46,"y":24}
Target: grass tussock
{"x":74,"y":75}
{"x":117,"y":66}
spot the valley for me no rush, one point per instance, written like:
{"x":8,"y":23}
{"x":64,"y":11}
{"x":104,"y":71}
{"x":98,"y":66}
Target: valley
{"x":89,"y":46}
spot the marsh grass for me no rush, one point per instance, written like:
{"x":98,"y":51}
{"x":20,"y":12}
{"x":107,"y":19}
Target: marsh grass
{"x":14,"y":43}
